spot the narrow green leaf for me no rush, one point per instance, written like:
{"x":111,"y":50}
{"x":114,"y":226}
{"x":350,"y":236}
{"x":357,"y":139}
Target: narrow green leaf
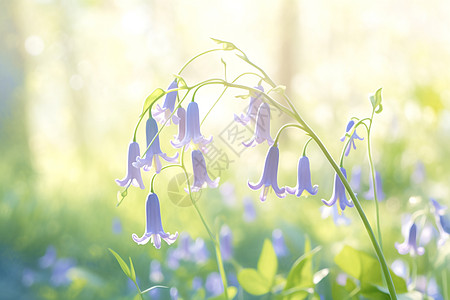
{"x":231,"y":291}
{"x":121,"y":262}
{"x":132,"y":272}
{"x":319,"y":275}
{"x":268,"y":262}
{"x":243,"y":96}
{"x":155,"y":95}
{"x":154,"y":287}
{"x":376,"y":99}
{"x":225,"y":45}
{"x":253,"y":282}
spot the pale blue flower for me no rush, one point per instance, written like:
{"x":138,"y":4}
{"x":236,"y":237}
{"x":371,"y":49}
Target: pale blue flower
{"x":156,"y":274}
{"x":255,"y":103}
{"x":442,"y":221}
{"x":201,"y":176}
{"x":162,"y":114}
{"x":199,"y":252}
{"x":192,"y":131}
{"x":279,"y":246}
{"x":181,"y":114}
{"x":352,"y":137}
{"x":410,"y":244}
{"x":154,"y":152}
{"x":262,"y":128}
{"x":355,"y":181}
{"x":173,"y":293}
{"x":303,"y":179}
{"x":226,"y":242}
{"x":133,"y":174}
{"x":429,"y":287}
{"x":153,"y":229}
{"x":49,"y":258}
{"x":380,"y":194}
{"x":214,"y":285}
{"x":338,"y":219}
{"x":197,"y":283}
{"x":249,"y":210}
{"x":269,"y":176}
{"x":339,"y":193}
{"x":60,"y":272}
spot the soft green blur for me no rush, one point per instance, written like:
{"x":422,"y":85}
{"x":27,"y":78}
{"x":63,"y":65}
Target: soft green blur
{"x":73,"y":79}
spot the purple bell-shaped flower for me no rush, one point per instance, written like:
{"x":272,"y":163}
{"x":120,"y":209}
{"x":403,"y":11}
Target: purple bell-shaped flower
{"x":255,"y":103}
{"x":133,"y":174}
{"x":410,"y":243}
{"x":181,"y":114}
{"x":262,"y":127}
{"x":269,"y":176}
{"x":192,"y":131}
{"x":200,"y":173}
{"x":154,"y":152}
{"x":339,"y":193}
{"x":162,"y":114}
{"x":352,"y":137}
{"x":153,"y":229}
{"x":303,"y":179}
{"x":380,"y":194}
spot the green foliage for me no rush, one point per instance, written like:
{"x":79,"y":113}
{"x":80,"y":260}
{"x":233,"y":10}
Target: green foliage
{"x":375,"y":99}
{"x":123,"y":265}
{"x":154,"y":96}
{"x":231,"y":291}
{"x":225,"y":45}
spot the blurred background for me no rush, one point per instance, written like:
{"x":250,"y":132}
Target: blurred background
{"x":73,"y":79}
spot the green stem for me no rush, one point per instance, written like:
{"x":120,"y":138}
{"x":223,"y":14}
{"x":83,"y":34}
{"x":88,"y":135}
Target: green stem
{"x":197,"y":56}
{"x":306,"y":145}
{"x":275,"y":143}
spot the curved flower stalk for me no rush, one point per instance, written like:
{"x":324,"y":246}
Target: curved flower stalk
{"x":262,"y":128}
{"x":380,"y":194}
{"x":133,"y":174}
{"x":162,"y":114}
{"x":153,"y":228}
{"x":339,"y":193}
{"x":200,"y":173}
{"x":303,"y":180}
{"x":269,"y":176}
{"x":255,"y":103}
{"x":192,"y":131}
{"x":181,"y":114}
{"x":410,"y":243}
{"x":351,"y":138}
{"x":154,"y":152}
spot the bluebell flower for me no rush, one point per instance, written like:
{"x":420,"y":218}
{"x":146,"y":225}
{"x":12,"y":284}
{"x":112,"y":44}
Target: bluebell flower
{"x":200,"y":173}
{"x":162,"y":114}
{"x":355,"y":181}
{"x":49,"y":258}
{"x":173,"y":259}
{"x":153,"y":229}
{"x":226,"y":242}
{"x":184,"y":246}
{"x":279,"y":246}
{"x":352,"y":137}
{"x":196,"y":283}
{"x":419,"y":174}
{"x":339,"y":193}
{"x":442,"y":221}
{"x":154,"y":152}
{"x":156,"y":274}
{"x":262,"y":128}
{"x":380,"y":194}
{"x":269,"y":176}
{"x":255,"y":103}
{"x":249,"y":210}
{"x":429,"y":287}
{"x":400,"y":269}
{"x":303,"y":179}
{"x":173,"y":293}
{"x":192,"y":131}
{"x":200,"y":253}
{"x":181,"y":114}
{"x":338,"y":219}
{"x":410,"y":243}
{"x":133,"y":174}
{"x":213,"y":284}
{"x":60,"y":272}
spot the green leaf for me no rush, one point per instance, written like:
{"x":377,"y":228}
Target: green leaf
{"x":253,"y":282}
{"x":225,"y":45}
{"x":155,"y":95}
{"x":132,"y":272}
{"x":366,"y":269}
{"x":268,"y":262}
{"x":122,"y":264}
{"x":319,"y":275}
{"x":376,"y":99}
{"x":231,"y":291}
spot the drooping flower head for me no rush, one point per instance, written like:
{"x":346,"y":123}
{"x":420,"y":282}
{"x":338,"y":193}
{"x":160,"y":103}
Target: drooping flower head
{"x":226,"y":242}
{"x":153,"y":228}
{"x":192,"y":131}
{"x":181,"y":114}
{"x":262,"y":127}
{"x":351,"y":138}
{"x":279,"y":246}
{"x":154,"y":152}
{"x":200,"y":173}
{"x":410,"y":243}
{"x":442,"y":221}
{"x":269,"y":176}
{"x":339,"y":193}
{"x":162,"y":114}
{"x":303,"y":179}
{"x":133,"y":174}
{"x":255,"y":103}
{"x":380,"y":194}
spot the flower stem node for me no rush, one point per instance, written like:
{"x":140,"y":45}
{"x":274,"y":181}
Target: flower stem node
{"x":303,"y":180}
{"x":153,"y":229}
{"x":133,"y":174}
{"x":339,"y":193}
{"x":269,"y":176}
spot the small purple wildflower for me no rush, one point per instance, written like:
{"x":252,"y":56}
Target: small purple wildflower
{"x":162,"y":114}
{"x":49,"y":258}
{"x":249,"y":210}
{"x":156,"y":274}
{"x":199,"y":252}
{"x":213,"y":284}
{"x":262,"y":128}
{"x":338,"y":219}
{"x":181,"y":114}
{"x":339,"y":193}
{"x":355,"y":182}
{"x":303,"y":179}
{"x":351,"y":137}
{"x":154,"y":152}
{"x":380,"y":194}
{"x":410,"y":243}
{"x":173,"y":259}
{"x":173,"y":293}
{"x":116,"y":226}
{"x":428,"y":287}
{"x":226,"y":242}
{"x":153,"y":229}
{"x":196,"y":283}
{"x":255,"y":103}
{"x":278,"y":243}
{"x":28,"y":277}
{"x":400,"y":269}
{"x":133,"y":174}
{"x":200,"y":173}
{"x":269,"y":176}
{"x":442,"y":221}
{"x":192,"y":131}
{"x":60,"y":272}
{"x":184,"y":246}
